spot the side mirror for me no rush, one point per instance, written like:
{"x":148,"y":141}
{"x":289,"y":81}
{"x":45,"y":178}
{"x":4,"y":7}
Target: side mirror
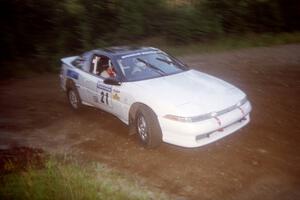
{"x":110,"y":81}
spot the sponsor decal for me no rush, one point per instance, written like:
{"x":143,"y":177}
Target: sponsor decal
{"x":103,"y":87}
{"x":116,"y":97}
{"x":72,"y":74}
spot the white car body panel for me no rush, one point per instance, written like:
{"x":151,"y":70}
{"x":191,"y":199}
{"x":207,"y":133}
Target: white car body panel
{"x":189,"y":93}
{"x":186,"y":94}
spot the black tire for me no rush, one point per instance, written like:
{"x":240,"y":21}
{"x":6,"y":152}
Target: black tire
{"x":147,"y":127}
{"x":74,"y":98}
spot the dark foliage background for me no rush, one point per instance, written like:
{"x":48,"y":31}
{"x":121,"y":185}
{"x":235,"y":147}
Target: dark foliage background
{"x":47,"y":29}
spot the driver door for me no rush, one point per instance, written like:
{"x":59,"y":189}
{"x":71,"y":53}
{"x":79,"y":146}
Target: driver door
{"x":100,"y":93}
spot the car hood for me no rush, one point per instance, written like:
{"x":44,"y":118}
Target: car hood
{"x":191,"y":93}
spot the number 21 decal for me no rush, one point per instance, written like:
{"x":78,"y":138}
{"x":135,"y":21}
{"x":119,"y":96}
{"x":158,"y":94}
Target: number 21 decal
{"x":104,"y":92}
{"x":104,"y":97}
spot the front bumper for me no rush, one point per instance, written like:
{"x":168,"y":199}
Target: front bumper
{"x":200,"y":133}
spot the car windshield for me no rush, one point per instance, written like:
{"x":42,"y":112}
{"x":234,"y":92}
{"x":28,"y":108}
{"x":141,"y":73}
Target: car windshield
{"x":149,"y":65}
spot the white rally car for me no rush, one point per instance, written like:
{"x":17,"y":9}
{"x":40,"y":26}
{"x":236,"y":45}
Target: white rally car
{"x":156,"y":95}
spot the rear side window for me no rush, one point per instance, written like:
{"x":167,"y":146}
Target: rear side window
{"x":78,"y":62}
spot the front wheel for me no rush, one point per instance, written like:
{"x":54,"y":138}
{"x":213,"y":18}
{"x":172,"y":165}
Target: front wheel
{"x":147,"y":127}
{"x":74,"y":99}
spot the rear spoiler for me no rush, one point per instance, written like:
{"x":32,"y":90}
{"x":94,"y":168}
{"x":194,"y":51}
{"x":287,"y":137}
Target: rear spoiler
{"x":68,"y":60}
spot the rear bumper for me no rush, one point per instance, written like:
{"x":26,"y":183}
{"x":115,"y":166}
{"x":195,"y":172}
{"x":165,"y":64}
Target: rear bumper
{"x":207,"y":131}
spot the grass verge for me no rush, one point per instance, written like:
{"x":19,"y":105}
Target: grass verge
{"x":68,"y":180}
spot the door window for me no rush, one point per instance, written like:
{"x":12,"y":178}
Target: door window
{"x":103,"y":67}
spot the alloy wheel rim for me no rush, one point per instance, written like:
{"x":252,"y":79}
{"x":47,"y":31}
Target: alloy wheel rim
{"x":73,"y":99}
{"x":142,"y":127}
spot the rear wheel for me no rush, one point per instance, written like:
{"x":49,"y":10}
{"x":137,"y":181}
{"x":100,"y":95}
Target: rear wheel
{"x":147,"y":127}
{"x":74,"y":98}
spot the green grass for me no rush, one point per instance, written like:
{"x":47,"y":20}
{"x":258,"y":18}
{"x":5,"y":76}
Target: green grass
{"x":225,"y":43}
{"x":60,"y":180}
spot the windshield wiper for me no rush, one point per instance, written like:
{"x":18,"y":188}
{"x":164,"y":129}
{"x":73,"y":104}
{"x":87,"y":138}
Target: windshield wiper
{"x":177,"y":65}
{"x":165,"y":61}
{"x":156,"y":69}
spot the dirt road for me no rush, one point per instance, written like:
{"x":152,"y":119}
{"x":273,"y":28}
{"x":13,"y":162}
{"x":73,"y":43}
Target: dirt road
{"x":261,"y":161}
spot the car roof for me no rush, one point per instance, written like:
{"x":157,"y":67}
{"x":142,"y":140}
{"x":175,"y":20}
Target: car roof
{"x":123,"y":50}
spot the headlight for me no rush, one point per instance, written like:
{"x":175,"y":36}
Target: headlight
{"x":177,"y":118}
{"x":190,"y":119}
